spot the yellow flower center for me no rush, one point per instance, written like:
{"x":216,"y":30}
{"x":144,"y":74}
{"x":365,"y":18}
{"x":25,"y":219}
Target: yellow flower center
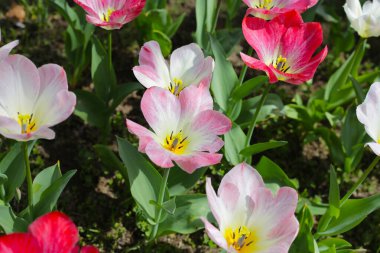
{"x":176,"y":87}
{"x":281,"y":64}
{"x":27,"y":123}
{"x":105,"y":16}
{"x":265,"y":4}
{"x":176,"y":143}
{"x":241,"y":239}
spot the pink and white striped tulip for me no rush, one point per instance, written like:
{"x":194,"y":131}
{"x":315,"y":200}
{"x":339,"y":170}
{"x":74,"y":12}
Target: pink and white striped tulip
{"x":251,"y":219}
{"x":6,"y":49}
{"x":368,"y":115}
{"x":51,"y":233}
{"x":268,"y":9}
{"x":285,"y":47}
{"x":111,"y":14}
{"x":188,"y":66}
{"x":185,"y":129}
{"x":32,"y":100}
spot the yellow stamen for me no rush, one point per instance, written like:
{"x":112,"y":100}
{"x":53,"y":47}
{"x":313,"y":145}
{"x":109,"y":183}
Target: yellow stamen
{"x":106,"y":16}
{"x":176,"y":87}
{"x":27,"y":123}
{"x":176,"y":143}
{"x":265,"y":4}
{"x":281,"y":64}
{"x":241,"y":239}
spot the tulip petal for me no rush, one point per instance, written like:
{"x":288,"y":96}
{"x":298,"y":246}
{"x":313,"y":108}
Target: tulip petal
{"x":375,"y":147}
{"x":145,"y":136}
{"x":215,"y":234}
{"x":159,"y":155}
{"x":89,"y":249}
{"x":55,"y":233}
{"x":6,"y":49}
{"x":195,"y":99}
{"x":19,"y":243}
{"x":196,"y":160}
{"x":256,"y":64}
{"x":155,"y":71}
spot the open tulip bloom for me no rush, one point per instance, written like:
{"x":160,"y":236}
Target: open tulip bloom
{"x":52,"y":233}
{"x":188,"y":66}
{"x":365,"y":21}
{"x":32,"y":100}
{"x":185,"y":128}
{"x":268,"y":9}
{"x":6,"y":49}
{"x":285,"y":47}
{"x":251,"y":219}
{"x":111,"y":14}
{"x":368,"y":115}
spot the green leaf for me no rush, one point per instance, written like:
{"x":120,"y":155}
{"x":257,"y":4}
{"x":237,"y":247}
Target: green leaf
{"x":91,"y":109}
{"x":108,"y":157}
{"x":358,"y":90}
{"x":248,"y":87}
{"x":340,"y":77}
{"x":200,"y":15}
{"x":353,"y":132}
{"x":50,"y":196}
{"x":13,"y":166}
{"x":229,"y":38}
{"x":305,"y":241}
{"x":261,"y":147}
{"x":143,"y":178}
{"x":3,"y":178}
{"x":174,"y":26}
{"x":352,"y":213}
{"x":102,"y":71}
{"x":163,"y":40}
{"x":10,"y":222}
{"x":211,"y":6}
{"x":186,"y":218}
{"x":224,"y":77}
{"x":334,"y":193}
{"x":272,"y":173}
{"x":43,"y":180}
{"x":337,"y":243}
{"x":181,"y":182}
{"x":170,"y":206}
{"x":234,"y":142}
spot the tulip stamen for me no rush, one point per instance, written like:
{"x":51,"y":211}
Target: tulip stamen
{"x":176,"y":143}
{"x":105,"y":16}
{"x":281,"y":64}
{"x":240,"y":239}
{"x":26,"y":122}
{"x":265,"y":4}
{"x":176,"y":86}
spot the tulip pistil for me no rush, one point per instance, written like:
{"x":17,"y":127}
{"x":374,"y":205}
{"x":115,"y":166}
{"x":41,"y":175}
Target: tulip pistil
{"x":27,"y":123}
{"x":265,"y":4}
{"x":241,"y":239}
{"x":281,"y":64}
{"x":176,"y":143}
{"x":176,"y":86}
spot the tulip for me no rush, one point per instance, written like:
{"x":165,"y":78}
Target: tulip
{"x":285,"y":47}
{"x":32,"y":100}
{"x":365,"y":21}
{"x":368,"y":115}
{"x":111,"y":14}
{"x":268,"y":9}
{"x":251,"y":219}
{"x":188,"y":66}
{"x":185,"y":129}
{"x":6,"y":49}
{"x":52,"y":233}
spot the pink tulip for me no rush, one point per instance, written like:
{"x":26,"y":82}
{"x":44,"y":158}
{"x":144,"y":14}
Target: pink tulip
{"x":187,"y":66}
{"x":285,"y":47}
{"x":52,"y":233}
{"x":268,"y":9}
{"x":6,"y":49}
{"x":185,"y":128}
{"x":250,"y":218}
{"x":111,"y":14}
{"x":32,"y":100}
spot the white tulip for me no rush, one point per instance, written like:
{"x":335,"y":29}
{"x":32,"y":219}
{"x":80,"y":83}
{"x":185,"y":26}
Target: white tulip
{"x":368,"y":115}
{"x":366,"y":20}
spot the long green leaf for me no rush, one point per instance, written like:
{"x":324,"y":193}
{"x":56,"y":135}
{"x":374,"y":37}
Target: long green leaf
{"x":261,"y":147}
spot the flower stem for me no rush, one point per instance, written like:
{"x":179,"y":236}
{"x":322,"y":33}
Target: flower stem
{"x":360,"y":181}
{"x":110,"y":50}
{"x":257,"y":112}
{"x":244,"y":69}
{"x":28,"y":175}
{"x":161,"y":195}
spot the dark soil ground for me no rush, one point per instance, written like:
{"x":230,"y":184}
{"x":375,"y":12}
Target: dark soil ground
{"x":98,"y":199}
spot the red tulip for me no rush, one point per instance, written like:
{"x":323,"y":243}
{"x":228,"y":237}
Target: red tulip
{"x":52,"y":233}
{"x":285,"y":47}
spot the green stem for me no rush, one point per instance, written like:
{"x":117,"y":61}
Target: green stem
{"x":360,"y":181}
{"x":110,"y":50}
{"x":28,"y":175}
{"x":244,"y":69}
{"x":161,"y":195}
{"x":254,"y":119}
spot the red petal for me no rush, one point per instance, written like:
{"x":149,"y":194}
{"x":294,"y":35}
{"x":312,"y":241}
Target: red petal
{"x":89,"y":249}
{"x":19,"y":243}
{"x":55,"y":233}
